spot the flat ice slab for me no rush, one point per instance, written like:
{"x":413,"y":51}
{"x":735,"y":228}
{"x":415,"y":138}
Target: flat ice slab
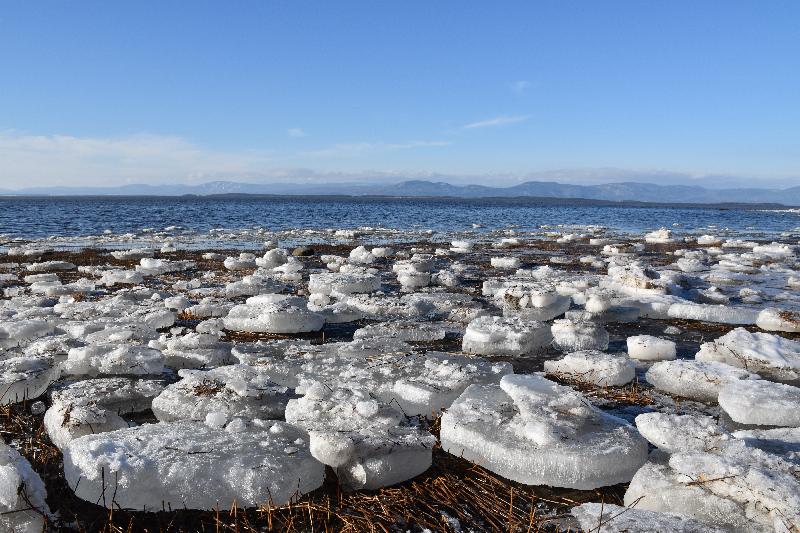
{"x":696,"y":380}
{"x":770,"y":356}
{"x":656,"y":487}
{"x":779,"y":441}
{"x":762,"y":403}
{"x":730,"y":484}
{"x":594,"y":367}
{"x":95,"y":405}
{"x":192,"y":465}
{"x":610,"y":518}
{"x":721,"y":314}
{"x":349,"y":283}
{"x":405,"y":330}
{"x":493,"y":335}
{"x":286,"y":316}
{"x":25,"y":378}
{"x":231,"y":391}
{"x":110,"y":359}
{"x":534,"y":431}
{"x":366,"y":441}
{"x":419,"y":384}
{"x":194,"y":350}
{"x":649,"y":348}
{"x":22,"y":494}
{"x":681,"y":433}
{"x":569,"y":336}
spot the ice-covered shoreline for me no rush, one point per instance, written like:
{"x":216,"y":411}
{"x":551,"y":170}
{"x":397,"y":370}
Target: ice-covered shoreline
{"x":181,"y":364}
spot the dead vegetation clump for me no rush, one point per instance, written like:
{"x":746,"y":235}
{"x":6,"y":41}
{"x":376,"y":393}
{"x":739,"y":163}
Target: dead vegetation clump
{"x":631,"y":394}
{"x":187,"y":316}
{"x":208,"y":387}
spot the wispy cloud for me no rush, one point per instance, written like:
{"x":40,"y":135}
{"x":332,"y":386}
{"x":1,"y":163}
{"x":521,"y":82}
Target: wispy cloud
{"x":502,"y":120}
{"x":296,"y":132}
{"x":520,"y":86}
{"x":363,"y":148}
{"x":30,"y":160}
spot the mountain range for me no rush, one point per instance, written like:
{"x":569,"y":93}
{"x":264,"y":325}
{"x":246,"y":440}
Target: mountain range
{"x":630,"y":191}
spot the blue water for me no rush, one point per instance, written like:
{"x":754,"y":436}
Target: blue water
{"x":81,"y":216}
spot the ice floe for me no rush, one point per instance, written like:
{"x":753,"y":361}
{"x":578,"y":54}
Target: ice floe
{"x":366,"y":441}
{"x":534,"y":431}
{"x":193,"y":465}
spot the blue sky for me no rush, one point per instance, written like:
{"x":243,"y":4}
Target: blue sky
{"x":121,"y":92}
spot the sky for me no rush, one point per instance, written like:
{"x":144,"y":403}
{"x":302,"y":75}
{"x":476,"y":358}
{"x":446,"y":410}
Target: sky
{"x":105,"y":93}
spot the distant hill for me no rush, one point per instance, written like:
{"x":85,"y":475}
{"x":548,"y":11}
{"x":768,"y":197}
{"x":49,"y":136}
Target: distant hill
{"x":623,"y":191}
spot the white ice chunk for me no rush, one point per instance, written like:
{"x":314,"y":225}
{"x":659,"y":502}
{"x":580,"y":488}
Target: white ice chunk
{"x":764,"y":485}
{"x":505,"y":262}
{"x":594,"y":367}
{"x":192,"y":465}
{"x":195,"y":350}
{"x":655,"y":487}
{"x":16,"y":332}
{"x":48,"y":266}
{"x":784,"y":442}
{"x":290,"y":315}
{"x":760,"y":402}
{"x":366,"y":441}
{"x":491,"y":335}
{"x":351,"y":283}
{"x":22,"y":494}
{"x":768,"y":355}
{"x":534,"y":431}
{"x":772,"y":319}
{"x":610,"y":518}
{"x":696,"y":380}
{"x":721,"y":314}
{"x":534,"y":305}
{"x":235,"y":391}
{"x":569,"y":336}
{"x":682,"y":433}
{"x":660,"y":236}
{"x":419,"y":384}
{"x":649,"y":348}
{"x":110,"y":278}
{"x":361,"y":255}
{"x":95,"y":405}
{"x":405,"y":330}
{"x":25,"y":378}
{"x":109,"y":359}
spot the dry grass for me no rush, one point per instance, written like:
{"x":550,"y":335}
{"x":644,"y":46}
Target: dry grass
{"x":630,"y":394}
{"x":187,"y":316}
{"x":208,"y":387}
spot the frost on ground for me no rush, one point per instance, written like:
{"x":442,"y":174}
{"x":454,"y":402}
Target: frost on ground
{"x":652,"y":382}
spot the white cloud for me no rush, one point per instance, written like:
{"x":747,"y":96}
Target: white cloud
{"x":363,"y":148}
{"x":502,"y":120}
{"x":296,"y":132}
{"x":33,"y":160}
{"x":45,"y":160}
{"x":520,"y":86}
